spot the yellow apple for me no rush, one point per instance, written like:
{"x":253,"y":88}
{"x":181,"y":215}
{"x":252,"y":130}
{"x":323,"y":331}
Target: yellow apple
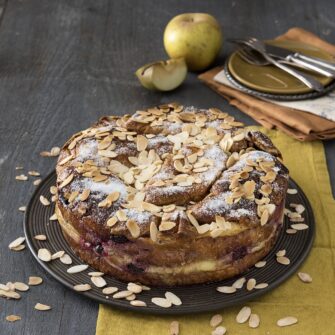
{"x":197,"y":37}
{"x":163,"y":75}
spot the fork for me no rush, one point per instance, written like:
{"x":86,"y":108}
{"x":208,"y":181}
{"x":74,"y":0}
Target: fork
{"x":259,"y":47}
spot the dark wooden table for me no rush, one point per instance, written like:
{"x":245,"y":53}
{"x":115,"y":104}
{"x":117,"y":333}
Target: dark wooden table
{"x":63,"y":64}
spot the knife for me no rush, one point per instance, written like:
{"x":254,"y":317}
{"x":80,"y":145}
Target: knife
{"x":315,"y":64}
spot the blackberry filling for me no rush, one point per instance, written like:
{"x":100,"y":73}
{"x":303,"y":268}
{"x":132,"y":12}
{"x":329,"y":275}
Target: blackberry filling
{"x":239,"y":253}
{"x":134,"y":269}
{"x":119,"y":239}
{"x":99,"y":249}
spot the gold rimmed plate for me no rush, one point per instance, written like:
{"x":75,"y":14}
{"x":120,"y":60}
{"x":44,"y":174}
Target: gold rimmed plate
{"x":269,"y":79}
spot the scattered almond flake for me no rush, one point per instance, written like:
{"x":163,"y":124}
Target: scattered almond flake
{"x":58,"y":254}
{"x":34,"y":173}
{"x":66,"y":259}
{"x":40,"y":237}
{"x":21,"y":177}
{"x":292,"y":191}
{"x":16,"y":242}
{"x":215,"y":320}
{"x":52,"y":153}
{"x":141,"y":142}
{"x":13,"y":318}
{"x":166,"y":225}
{"x":305,"y":277}
{"x":109,"y":290}
{"x":21,"y":286}
{"x":122,"y":294}
{"x":219,"y":331}
{"x":19,"y":168}
{"x":67,"y":180}
{"x":53,"y":190}
{"x":10,"y":294}
{"x":261,"y":286}
{"x":111,"y":221}
{"x":53,"y":217}
{"x":243,"y":315}
{"x":95,"y":274}
{"x":239,"y":283}
{"x":251,"y":283}
{"x":254,"y":320}
{"x":287,"y":321}
{"x":135,"y":288}
{"x":299,"y":226}
{"x":85,"y":194}
{"x":283,"y":260}
{"x":226,"y":289}
{"x":175,"y":300}
{"x":260,"y":264}
{"x":44,"y":201}
{"x":82,"y":287}
{"x":146,"y":288}
{"x":153,"y":231}
{"x":281,"y":253}
{"x":174,"y":328}
{"x":22,"y":208}
{"x":133,"y":228}
{"x":44,"y":255}
{"x":42,"y":307}
{"x":264,"y":217}
{"x":138,"y":303}
{"x":33,"y":281}
{"x":19,"y":247}
{"x":291,"y":231}
{"x":77,"y":268}
{"x":10,"y":286}
{"x":98,"y":281}
{"x":161,"y":302}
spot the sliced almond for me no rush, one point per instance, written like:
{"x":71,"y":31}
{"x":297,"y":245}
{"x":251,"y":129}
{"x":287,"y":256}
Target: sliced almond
{"x":161,"y":302}
{"x":292,"y":191}
{"x":131,"y":297}
{"x":254,"y":320}
{"x":153,"y":231}
{"x":261,"y":286}
{"x":239,"y":283}
{"x":58,"y":254}
{"x":243,"y":315}
{"x":21,"y":177}
{"x":77,"y":268}
{"x":42,"y":307}
{"x":260,"y":264}
{"x":305,"y":277}
{"x":33,"y":281}
{"x":13,"y":318}
{"x":166,"y":225}
{"x":66,"y":181}
{"x":291,"y":231}
{"x":138,"y":303}
{"x":40,"y":237}
{"x":19,"y":247}
{"x":226,"y":289}
{"x":251,"y":283}
{"x":10,"y":294}
{"x":82,"y":287}
{"x":133,"y":228}
{"x":283,"y":260}
{"x":44,"y":255}
{"x":111,"y":221}
{"x":22,"y":208}
{"x":21,"y":286}
{"x":34,"y":173}
{"x":287,"y":321}
{"x":85,"y":194}
{"x":95,"y":274}
{"x":281,"y":253}
{"x":175,"y":300}
{"x":215,"y":320}
{"x":66,"y":259}
{"x":98,"y":281}
{"x":264,"y":217}
{"x":299,"y":226}
{"x":16,"y":242}
{"x":44,"y":201}
{"x":109,"y":290}
{"x":53,"y":217}
{"x":141,"y":142}
{"x":122,"y":294}
{"x":174,"y":328}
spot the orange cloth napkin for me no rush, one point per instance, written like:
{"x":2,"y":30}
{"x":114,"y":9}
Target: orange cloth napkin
{"x":301,"y":125}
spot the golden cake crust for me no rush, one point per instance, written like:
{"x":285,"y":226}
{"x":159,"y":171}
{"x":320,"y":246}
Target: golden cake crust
{"x":171,"y":195}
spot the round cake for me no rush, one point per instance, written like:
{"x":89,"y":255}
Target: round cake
{"x":171,"y":195}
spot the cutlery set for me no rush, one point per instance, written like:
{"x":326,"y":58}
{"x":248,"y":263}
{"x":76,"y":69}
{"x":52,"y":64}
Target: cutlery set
{"x":256,"y":52}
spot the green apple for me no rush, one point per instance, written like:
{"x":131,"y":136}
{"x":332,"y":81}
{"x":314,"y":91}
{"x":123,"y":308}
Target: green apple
{"x":195,"y":36}
{"x":163,"y":75}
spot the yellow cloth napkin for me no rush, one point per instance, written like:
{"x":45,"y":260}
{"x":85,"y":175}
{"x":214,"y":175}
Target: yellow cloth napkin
{"x":313,"y":304}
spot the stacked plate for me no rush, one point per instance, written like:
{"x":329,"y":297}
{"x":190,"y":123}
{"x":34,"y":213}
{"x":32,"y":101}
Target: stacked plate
{"x":273,"y":83}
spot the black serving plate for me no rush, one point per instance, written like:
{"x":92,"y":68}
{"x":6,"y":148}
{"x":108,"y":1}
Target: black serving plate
{"x":195,"y":298}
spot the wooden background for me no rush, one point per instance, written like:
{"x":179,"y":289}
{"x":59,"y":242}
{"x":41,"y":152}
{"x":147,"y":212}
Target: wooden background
{"x":65,"y":63}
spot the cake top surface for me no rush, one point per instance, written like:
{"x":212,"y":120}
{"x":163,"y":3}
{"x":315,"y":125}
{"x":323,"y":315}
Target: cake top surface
{"x":168,"y":170}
